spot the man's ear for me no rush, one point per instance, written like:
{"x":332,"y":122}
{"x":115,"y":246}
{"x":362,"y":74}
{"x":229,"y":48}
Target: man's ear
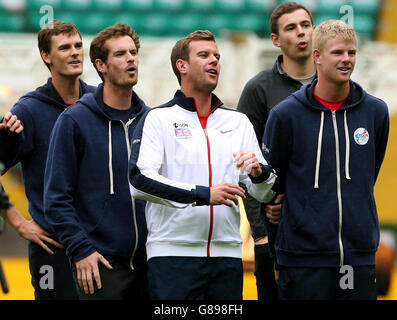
{"x":316,"y":56}
{"x":275,"y":39}
{"x":182,"y":66}
{"x":45,"y":56}
{"x":100,"y":65}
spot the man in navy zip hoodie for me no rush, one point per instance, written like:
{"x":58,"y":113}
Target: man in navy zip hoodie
{"x":87,"y":198}
{"x":61,"y":49}
{"x":327,"y":142}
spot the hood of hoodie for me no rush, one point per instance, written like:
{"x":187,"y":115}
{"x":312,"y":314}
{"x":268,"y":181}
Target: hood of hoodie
{"x":355,"y":97}
{"x":49,"y":95}
{"x":306,"y":97}
{"x":95,"y":103}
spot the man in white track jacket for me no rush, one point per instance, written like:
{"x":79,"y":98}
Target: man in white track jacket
{"x":187,"y":159}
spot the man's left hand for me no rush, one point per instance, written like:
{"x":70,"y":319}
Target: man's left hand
{"x":248,"y":163}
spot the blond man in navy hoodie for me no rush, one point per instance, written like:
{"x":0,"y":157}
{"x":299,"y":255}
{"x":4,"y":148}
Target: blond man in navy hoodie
{"x":327,"y":142}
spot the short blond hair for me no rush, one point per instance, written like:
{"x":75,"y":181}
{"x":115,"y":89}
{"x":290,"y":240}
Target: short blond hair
{"x":331,"y":29}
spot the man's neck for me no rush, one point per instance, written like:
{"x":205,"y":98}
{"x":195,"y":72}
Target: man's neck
{"x":331,"y":91}
{"x":299,"y":69}
{"x":202,"y":99}
{"x":117,"y":97}
{"x":67,"y":87}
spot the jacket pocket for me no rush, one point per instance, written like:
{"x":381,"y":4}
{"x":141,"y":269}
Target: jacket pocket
{"x":98,"y":214}
{"x":313,"y":226}
{"x":114,"y":229}
{"x":360,"y":230}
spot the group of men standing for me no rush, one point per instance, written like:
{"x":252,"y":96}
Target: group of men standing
{"x":132,"y":202}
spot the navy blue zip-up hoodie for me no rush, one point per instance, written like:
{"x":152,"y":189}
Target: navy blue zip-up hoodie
{"x":38,"y":110}
{"x":327,"y":163}
{"x":87,"y":197}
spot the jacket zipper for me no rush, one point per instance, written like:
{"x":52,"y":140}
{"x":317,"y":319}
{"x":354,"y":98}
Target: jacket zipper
{"x":338,"y":188}
{"x":209,"y":174}
{"x":126,"y":127}
{"x":210,"y":185}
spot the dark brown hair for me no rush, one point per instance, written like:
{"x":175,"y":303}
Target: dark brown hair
{"x":181,"y":48}
{"x":286,"y":7}
{"x":98,"y":49}
{"x":54,"y":28}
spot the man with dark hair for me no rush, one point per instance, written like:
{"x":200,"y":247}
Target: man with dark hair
{"x":291,"y":26}
{"x":187,"y":158}
{"x":87,"y":197}
{"x":61,"y":49}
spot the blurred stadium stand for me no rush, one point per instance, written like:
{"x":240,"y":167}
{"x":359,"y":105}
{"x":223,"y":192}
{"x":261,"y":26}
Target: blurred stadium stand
{"x":177,"y":17}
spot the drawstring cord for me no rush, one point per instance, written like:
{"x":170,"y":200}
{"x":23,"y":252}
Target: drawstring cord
{"x":347,"y":157}
{"x":110,"y":159}
{"x":320,"y":141}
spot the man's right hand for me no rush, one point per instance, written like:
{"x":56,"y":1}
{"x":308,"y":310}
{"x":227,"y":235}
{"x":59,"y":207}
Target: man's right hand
{"x":11,"y":123}
{"x":30,"y":230}
{"x":88,"y":267}
{"x":222,"y":193}
{"x":273,"y":211}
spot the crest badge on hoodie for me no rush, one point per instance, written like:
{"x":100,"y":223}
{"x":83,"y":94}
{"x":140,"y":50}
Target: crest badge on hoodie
{"x":361,"y":136}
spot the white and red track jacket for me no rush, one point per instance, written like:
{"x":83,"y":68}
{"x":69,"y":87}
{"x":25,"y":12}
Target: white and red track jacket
{"x":174,"y":162}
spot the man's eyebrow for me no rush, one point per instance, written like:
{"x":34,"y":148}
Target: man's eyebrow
{"x":64,"y":45}
{"x":292,"y":24}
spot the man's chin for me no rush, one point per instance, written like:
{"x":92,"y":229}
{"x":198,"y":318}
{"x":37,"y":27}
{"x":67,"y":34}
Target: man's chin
{"x":210,"y":86}
{"x":73,"y":74}
{"x":304,"y":55}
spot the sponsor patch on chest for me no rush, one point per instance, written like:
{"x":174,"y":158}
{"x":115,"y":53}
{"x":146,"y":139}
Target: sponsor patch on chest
{"x":361,"y":136}
{"x":182,"y":131}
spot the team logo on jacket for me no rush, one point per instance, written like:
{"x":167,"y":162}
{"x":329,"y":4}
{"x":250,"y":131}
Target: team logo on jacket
{"x":182,"y":131}
{"x":265,"y":149}
{"x":361,"y":136}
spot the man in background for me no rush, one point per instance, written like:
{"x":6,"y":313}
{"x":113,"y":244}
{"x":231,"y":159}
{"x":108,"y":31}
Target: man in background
{"x":291,"y":27}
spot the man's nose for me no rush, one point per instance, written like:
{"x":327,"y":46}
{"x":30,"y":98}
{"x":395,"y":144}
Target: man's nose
{"x":346,"y":57}
{"x":300,"y":30}
{"x":214,"y":59}
{"x":131,"y":57}
{"x":75,"y":51}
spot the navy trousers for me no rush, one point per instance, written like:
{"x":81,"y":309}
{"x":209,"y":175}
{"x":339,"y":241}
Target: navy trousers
{"x":119,"y":283}
{"x":195,"y":278}
{"x":51,"y":274}
{"x":351,"y":283}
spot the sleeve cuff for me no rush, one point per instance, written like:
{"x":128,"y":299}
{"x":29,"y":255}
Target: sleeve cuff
{"x":202,"y":195}
{"x":266,"y":171}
